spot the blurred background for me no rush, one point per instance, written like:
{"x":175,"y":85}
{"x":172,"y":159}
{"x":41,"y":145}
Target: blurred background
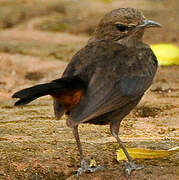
{"x":56,"y":29}
{"x":37,"y":40}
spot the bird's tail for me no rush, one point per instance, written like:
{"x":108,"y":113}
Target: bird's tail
{"x":55,"y":87}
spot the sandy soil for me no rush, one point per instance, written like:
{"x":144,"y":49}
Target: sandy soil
{"x":35,"y":146}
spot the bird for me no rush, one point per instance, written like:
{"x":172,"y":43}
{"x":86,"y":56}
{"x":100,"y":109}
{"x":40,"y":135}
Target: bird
{"x":104,"y":80}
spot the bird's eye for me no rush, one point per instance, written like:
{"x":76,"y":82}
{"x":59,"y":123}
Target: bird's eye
{"x":121,"y":27}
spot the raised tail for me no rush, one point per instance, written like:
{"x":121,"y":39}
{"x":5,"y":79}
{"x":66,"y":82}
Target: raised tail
{"x":57,"y":86}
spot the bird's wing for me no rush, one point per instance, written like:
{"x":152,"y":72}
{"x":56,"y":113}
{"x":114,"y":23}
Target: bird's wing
{"x":118,"y":78}
{"x":104,"y":98}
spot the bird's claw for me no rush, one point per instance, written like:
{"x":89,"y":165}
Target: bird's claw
{"x":131,"y":166}
{"x":87,"y":169}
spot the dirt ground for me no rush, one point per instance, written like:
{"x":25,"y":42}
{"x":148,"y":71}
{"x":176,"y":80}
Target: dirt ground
{"x":35,"y":146}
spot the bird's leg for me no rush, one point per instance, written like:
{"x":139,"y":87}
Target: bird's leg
{"x":84,"y":165}
{"x":130,"y":165}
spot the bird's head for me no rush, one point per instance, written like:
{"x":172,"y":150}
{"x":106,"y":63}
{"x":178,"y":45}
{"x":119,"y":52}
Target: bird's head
{"x":123,"y":24}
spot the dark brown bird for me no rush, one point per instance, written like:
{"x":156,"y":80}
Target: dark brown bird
{"x":105,"y":80}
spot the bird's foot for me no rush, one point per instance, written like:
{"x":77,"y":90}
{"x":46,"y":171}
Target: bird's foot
{"x":86,"y":168}
{"x":131,"y":166}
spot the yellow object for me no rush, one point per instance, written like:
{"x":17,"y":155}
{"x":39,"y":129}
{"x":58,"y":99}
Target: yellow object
{"x":93,"y":163}
{"x":106,"y":1}
{"x":139,"y":153}
{"x":167,"y":54}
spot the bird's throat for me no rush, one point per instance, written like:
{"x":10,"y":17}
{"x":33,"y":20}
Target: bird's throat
{"x":132,"y":40}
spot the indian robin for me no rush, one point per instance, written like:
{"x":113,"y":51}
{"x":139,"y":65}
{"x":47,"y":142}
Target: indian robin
{"x":104,"y":80}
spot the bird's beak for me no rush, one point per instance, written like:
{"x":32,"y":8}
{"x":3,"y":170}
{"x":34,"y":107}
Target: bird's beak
{"x":149,"y":23}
